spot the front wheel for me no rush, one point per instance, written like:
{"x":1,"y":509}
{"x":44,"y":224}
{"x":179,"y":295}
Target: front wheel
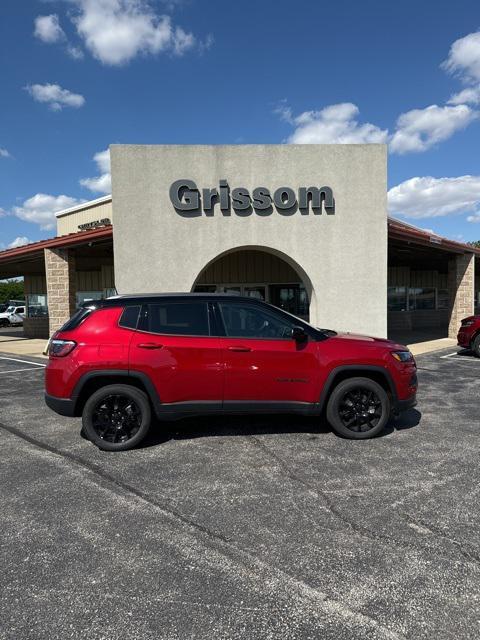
{"x":117,"y":417}
{"x":358,"y":408}
{"x":4,"y":322}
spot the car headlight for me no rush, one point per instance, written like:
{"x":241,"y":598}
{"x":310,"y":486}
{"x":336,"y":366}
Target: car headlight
{"x":402,"y":356}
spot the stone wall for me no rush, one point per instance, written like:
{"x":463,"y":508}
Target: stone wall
{"x":461,"y":277}
{"x":61,"y":286}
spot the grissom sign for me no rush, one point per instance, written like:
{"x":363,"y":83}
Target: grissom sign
{"x":190,"y":201}
{"x":95,"y":224}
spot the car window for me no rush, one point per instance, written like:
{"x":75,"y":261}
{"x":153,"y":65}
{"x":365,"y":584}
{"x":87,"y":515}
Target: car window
{"x":249,"y":321}
{"x":20,"y":310}
{"x":177,"y":318}
{"x":129,"y":317}
{"x":10,"y":309}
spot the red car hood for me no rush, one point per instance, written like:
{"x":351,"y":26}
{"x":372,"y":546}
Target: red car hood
{"x":379,"y":342}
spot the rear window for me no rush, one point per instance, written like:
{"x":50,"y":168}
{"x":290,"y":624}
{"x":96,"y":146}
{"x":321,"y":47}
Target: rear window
{"x":76,"y":319}
{"x":177,"y":318}
{"x":129,"y":317}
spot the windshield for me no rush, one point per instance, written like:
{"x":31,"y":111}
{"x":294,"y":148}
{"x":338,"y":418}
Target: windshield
{"x":10,"y":309}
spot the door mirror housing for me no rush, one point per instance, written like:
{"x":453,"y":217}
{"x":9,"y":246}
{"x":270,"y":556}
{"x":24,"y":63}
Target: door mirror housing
{"x":299,"y":334}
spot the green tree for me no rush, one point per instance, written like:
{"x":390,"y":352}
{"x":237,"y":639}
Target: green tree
{"x":11,"y":290}
{"x":475,"y":243}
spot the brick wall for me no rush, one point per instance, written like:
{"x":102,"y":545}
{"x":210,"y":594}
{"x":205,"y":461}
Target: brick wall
{"x":461,"y":276}
{"x":61,"y":286}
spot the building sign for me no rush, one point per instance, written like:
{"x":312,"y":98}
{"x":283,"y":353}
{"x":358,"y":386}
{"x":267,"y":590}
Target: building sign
{"x":95,"y":224}
{"x":190,"y":201}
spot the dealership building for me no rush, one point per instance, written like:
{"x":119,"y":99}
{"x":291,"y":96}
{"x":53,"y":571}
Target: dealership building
{"x":304,"y":227}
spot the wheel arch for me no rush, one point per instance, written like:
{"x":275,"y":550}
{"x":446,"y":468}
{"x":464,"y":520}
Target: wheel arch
{"x":376,"y":373}
{"x":94,"y":380}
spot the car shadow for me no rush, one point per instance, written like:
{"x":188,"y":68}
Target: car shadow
{"x":255,"y":425}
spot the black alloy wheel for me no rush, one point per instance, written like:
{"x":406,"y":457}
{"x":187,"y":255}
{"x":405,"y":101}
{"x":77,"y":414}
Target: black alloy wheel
{"x":358,"y":408}
{"x":116,"y":417}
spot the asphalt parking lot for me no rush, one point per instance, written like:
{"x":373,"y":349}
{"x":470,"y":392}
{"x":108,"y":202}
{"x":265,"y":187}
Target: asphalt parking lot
{"x":262,"y":528}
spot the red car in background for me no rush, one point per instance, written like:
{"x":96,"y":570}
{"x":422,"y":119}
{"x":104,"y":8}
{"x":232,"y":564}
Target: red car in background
{"x":120,"y":361}
{"x":469,"y":334}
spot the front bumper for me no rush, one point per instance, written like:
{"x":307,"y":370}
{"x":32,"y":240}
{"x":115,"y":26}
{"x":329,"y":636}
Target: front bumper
{"x":62,"y":406}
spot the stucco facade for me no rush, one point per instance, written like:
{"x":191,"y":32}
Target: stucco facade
{"x":339,"y":253}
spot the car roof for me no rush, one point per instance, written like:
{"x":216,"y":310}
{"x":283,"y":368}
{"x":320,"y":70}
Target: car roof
{"x":143,"y":298}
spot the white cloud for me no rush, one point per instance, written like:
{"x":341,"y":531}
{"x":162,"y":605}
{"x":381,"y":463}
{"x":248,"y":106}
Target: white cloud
{"x":474,"y":218}
{"x":20,"y":241}
{"x":75,"y":52}
{"x":48,"y":29}
{"x":419,"y":129}
{"x":4,"y":153}
{"x":471,"y":95}
{"x":103,"y":182}
{"x":55,"y":96}
{"x":464,"y":58}
{"x":116,"y":31}
{"x":41,"y":208}
{"x":336,"y":123}
{"x":430,"y":197}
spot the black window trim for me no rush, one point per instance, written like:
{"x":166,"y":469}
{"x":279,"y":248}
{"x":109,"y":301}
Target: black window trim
{"x":141,"y":324}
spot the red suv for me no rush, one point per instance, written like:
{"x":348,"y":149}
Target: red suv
{"x":469,"y":334}
{"x":119,"y":361}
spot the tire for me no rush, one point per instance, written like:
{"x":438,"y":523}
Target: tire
{"x":117,"y":417}
{"x":358,"y":408}
{"x":4,"y":323}
{"x":476,"y":346}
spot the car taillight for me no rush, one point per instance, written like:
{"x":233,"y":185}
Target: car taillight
{"x":60,"y":348}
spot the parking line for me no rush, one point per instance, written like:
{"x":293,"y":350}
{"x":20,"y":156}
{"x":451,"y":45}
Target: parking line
{"x":37,"y":364}
{"x":17,"y":370}
{"x":455,"y":353}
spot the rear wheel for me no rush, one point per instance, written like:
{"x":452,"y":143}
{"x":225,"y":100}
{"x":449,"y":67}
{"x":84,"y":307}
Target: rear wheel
{"x":358,"y":408}
{"x":117,"y":417}
{"x":476,"y":346}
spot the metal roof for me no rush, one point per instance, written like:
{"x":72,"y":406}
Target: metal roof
{"x":59,"y":242}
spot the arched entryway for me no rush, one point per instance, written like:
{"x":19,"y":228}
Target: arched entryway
{"x":258,"y":272}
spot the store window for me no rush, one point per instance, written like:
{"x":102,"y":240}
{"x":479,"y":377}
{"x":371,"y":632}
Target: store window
{"x":397,"y":299}
{"x":443,"y":299}
{"x":420,"y":298}
{"x":37,"y":305}
{"x":88,"y":296}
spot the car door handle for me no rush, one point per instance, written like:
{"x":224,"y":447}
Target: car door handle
{"x":149,"y":345}
{"x":239,"y":348}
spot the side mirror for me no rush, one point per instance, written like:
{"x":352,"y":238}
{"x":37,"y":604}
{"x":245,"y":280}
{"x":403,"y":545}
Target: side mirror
{"x":299,"y":334}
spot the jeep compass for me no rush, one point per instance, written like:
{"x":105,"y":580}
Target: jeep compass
{"x":120,"y":362}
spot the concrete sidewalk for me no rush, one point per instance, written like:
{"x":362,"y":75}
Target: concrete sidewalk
{"x":418,"y":348}
{"x":22,"y":346}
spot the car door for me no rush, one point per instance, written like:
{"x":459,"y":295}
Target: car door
{"x":173,"y":345}
{"x":263,"y":364}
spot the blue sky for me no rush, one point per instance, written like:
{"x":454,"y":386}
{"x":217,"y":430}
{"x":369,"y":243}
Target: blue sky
{"x":78,"y":75}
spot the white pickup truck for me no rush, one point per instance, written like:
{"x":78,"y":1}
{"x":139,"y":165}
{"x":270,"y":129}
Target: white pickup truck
{"x":12,"y":316}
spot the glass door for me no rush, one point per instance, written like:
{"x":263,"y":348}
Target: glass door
{"x":290,"y":297}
